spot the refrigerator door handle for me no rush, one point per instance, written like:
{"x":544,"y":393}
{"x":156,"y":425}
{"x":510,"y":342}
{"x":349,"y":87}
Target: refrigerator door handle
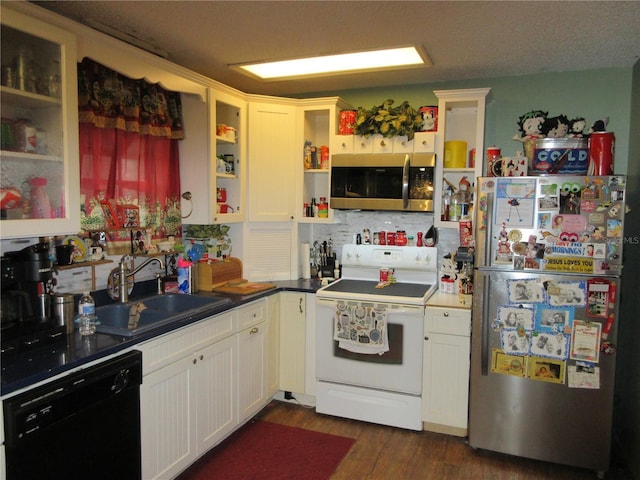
{"x":489,"y":231}
{"x":484,"y":327}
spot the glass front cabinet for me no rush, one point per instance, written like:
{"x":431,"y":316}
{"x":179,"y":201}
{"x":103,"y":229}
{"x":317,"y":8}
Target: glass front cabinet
{"x":39,"y":174}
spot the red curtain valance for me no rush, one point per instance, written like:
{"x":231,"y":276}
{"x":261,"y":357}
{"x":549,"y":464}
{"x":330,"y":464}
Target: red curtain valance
{"x":108,"y":99}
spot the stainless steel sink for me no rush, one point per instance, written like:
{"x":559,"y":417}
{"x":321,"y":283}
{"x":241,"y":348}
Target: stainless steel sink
{"x":160,"y":310}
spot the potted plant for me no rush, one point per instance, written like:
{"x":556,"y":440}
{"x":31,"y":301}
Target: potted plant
{"x":388,"y":121}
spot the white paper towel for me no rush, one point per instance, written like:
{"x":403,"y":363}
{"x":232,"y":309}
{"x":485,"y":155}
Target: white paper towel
{"x":306,"y":261}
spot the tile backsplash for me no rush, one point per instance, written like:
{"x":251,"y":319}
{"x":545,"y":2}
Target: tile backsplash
{"x":346,"y":223}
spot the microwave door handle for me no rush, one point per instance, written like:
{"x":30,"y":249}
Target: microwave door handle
{"x":405,"y":181}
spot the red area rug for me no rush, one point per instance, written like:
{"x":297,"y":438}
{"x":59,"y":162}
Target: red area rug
{"x":265,"y":450}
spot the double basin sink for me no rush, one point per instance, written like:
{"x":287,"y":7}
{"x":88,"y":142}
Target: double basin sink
{"x":148,"y":313}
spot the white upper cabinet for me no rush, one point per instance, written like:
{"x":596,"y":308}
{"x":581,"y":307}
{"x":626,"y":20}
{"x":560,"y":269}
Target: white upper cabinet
{"x":39,"y":181}
{"x":213,"y":158}
{"x":272,"y":153}
{"x":461,"y":115}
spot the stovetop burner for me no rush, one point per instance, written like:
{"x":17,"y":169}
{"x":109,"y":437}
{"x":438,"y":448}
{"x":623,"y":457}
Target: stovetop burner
{"x":414,"y":269}
{"x":365,"y":287}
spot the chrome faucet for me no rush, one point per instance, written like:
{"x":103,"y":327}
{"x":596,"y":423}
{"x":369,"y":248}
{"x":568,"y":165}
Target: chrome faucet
{"x":124,"y":273}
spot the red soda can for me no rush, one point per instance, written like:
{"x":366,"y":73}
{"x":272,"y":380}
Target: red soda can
{"x":601,"y":153}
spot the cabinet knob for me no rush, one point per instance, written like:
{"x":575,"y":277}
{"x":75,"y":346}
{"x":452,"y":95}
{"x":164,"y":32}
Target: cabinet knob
{"x":424,"y":142}
{"x":382,"y":144}
{"x":446,"y":314}
{"x":195,"y":360}
{"x":201,"y":357}
{"x":300,"y":305}
{"x":343,"y":145}
{"x":254,"y":330}
{"x":426,"y":338}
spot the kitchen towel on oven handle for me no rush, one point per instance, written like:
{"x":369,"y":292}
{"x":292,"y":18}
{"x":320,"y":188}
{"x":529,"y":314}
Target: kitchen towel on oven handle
{"x":360,"y":329}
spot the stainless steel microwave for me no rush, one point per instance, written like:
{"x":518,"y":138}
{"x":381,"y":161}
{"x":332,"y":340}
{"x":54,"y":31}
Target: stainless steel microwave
{"x":383,"y":181}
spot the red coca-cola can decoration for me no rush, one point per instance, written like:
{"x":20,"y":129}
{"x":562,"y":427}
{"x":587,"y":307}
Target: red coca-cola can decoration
{"x":429,"y":116}
{"x":347,"y":122}
{"x":601,"y":153}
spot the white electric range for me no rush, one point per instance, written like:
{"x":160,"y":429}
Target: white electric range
{"x":370,"y":338}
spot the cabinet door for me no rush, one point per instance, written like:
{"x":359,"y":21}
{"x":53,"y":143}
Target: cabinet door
{"x":445,"y":396}
{"x":209,"y":161}
{"x":273,"y":345}
{"x":167,"y":408}
{"x":292,"y":341}
{"x":216,"y":402}
{"x":39,"y":151}
{"x":252,"y":361}
{"x":272,"y":153}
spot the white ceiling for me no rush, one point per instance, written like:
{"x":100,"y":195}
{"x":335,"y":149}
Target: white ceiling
{"x":463,"y":39}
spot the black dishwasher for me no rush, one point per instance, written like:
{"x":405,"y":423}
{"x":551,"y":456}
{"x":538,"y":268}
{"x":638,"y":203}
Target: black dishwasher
{"x":83,"y":426}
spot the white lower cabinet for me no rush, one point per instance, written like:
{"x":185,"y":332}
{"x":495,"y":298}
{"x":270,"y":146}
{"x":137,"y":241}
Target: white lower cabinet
{"x":200,"y":383}
{"x":445,"y":396}
{"x":292,"y":341}
{"x":252,"y":359}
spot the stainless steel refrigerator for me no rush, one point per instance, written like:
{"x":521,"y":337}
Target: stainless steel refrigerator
{"x":545,"y":312}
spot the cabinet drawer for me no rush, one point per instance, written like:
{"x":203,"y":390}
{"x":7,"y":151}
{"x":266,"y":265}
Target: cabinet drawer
{"x":362,"y":144}
{"x":401,"y":144}
{"x":382,"y":144}
{"x":252,"y":314}
{"x":424,"y":142}
{"x":343,"y":144}
{"x":171,"y":347}
{"x":452,"y":321}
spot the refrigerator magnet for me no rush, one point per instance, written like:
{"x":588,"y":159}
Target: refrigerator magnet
{"x":554,"y":320}
{"x":529,"y":290}
{"x":506,"y":364}
{"x":546,"y":369}
{"x":598,"y":298}
{"x":549,"y":345}
{"x":514,"y":317}
{"x":514,"y":343}
{"x":569,"y":294}
{"x":585,"y":341}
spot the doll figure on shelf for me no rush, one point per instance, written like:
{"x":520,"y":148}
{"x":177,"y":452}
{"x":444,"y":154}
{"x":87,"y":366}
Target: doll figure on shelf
{"x":530,"y":125}
{"x":555,"y":127}
{"x":576,"y":127}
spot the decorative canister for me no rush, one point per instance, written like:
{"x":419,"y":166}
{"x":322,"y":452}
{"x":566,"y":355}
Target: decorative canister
{"x":601,"y":153}
{"x":494,"y":162}
{"x":429,"y":119}
{"x":347,"y":122}
{"x":560,"y":156}
{"x":455,"y":154}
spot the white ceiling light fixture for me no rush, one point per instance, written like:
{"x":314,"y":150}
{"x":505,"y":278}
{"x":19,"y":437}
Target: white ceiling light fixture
{"x":353,"y":62}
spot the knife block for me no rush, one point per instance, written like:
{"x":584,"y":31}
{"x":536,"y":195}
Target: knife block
{"x":327,"y":270}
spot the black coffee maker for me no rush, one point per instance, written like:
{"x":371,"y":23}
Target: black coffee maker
{"x":25,"y":313}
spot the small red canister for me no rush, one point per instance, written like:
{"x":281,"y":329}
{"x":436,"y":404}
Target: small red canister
{"x":347,"y":122}
{"x":429,"y":119}
{"x":391,"y":238}
{"x":383,"y":237}
{"x":601,"y":153}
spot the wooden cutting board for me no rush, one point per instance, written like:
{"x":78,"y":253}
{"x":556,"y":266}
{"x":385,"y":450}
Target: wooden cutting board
{"x":244,"y":287}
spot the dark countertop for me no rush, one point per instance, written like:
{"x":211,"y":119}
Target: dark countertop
{"x":25,"y":369}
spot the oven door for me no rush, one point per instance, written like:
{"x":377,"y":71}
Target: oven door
{"x":397,"y":370}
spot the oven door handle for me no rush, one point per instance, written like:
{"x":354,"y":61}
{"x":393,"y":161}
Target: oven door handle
{"x":405,"y":181}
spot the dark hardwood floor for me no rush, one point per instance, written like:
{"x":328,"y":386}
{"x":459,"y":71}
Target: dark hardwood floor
{"x":387,"y":453}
